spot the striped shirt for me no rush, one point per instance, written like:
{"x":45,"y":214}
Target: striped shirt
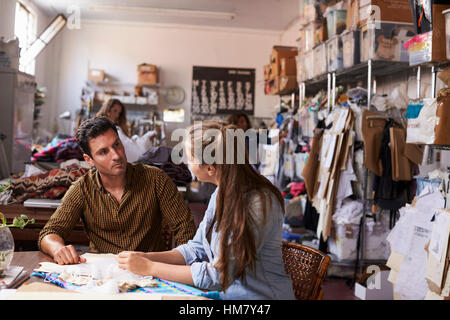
{"x":133,"y":224}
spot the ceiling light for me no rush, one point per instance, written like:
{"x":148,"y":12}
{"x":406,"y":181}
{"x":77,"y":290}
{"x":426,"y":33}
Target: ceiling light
{"x":168,"y":12}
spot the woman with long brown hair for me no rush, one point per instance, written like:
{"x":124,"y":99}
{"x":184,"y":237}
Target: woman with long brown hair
{"x":237,"y":247}
{"x":135,"y":146}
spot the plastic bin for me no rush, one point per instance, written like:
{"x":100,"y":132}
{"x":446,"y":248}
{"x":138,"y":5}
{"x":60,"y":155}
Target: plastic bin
{"x":309,"y":64}
{"x":320,"y":60}
{"x":350,"y":48}
{"x":447,"y":31}
{"x":336,"y":22}
{"x":335,"y":53}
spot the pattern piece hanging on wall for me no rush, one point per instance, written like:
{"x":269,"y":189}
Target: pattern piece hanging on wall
{"x":223,"y":90}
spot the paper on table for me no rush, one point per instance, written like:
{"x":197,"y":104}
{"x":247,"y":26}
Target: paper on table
{"x":100,"y":273}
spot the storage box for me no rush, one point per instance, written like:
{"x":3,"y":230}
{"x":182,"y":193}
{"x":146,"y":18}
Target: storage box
{"x":288,"y":66}
{"x":385,"y":42}
{"x":335,"y":53}
{"x":344,"y":237}
{"x":301,"y":71}
{"x":96,"y":75}
{"x":430,"y":46}
{"x":309,"y":31}
{"x":377,"y":289}
{"x":279,"y":52}
{"x":336,"y":22}
{"x":320,"y":32}
{"x":351,"y":48}
{"x":309,"y":64}
{"x":392,"y":11}
{"x":147,"y":74}
{"x":287,"y":83}
{"x":352,"y":20}
{"x":446,"y":13}
{"x":320,"y":59}
{"x":267,"y":71}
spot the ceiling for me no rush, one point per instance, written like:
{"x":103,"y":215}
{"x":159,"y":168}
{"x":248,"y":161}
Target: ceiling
{"x":274,"y":15}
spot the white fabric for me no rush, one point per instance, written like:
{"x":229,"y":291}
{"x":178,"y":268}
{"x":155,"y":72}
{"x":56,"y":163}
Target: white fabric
{"x":135,"y":146}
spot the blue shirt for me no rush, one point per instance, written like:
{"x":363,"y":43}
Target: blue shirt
{"x":267,"y":281}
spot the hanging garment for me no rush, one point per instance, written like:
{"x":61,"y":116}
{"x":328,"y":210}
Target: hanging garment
{"x":310,"y":170}
{"x":441,"y":133}
{"x":389,"y":194}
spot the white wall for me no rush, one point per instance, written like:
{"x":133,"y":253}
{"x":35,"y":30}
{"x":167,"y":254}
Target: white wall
{"x":119,"y":47}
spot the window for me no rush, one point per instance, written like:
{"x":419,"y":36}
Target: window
{"x":25,"y":29}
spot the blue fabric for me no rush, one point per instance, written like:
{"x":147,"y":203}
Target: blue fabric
{"x":267,"y":281}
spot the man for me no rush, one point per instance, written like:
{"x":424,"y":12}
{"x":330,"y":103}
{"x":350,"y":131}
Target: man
{"x":122,"y":205}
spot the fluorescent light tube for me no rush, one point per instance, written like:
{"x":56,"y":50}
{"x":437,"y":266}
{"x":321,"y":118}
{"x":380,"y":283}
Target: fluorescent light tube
{"x":167,"y":12}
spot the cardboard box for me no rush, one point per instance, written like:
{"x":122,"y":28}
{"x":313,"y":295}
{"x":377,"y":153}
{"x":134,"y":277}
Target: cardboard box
{"x":279,"y":52}
{"x":147,"y":74}
{"x":335,"y":53}
{"x":287,"y":83}
{"x":392,"y":11}
{"x":352,"y":22}
{"x":320,"y":59}
{"x":371,"y":291}
{"x":267,"y":71}
{"x":288,"y":66}
{"x":385,"y":42}
{"x":96,"y":75}
{"x":351,"y":48}
{"x":321,"y":32}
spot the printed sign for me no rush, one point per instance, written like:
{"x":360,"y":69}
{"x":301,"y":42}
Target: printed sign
{"x":223,"y":90}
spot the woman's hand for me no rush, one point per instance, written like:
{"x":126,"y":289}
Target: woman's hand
{"x":135,"y":262}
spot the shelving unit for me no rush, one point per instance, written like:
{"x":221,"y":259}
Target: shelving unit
{"x":367,"y":71}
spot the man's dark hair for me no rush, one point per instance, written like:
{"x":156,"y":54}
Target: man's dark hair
{"x":91,"y":129}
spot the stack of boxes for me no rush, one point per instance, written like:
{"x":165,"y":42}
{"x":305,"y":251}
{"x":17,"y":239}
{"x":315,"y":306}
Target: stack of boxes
{"x":348,"y":32}
{"x":280,"y":74}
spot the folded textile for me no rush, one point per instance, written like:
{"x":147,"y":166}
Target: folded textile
{"x":62,"y":151}
{"x":47,"y":184}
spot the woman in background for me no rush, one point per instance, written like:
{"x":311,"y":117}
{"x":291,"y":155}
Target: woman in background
{"x":237,"y":249}
{"x":241,"y":120}
{"x":134,"y":146}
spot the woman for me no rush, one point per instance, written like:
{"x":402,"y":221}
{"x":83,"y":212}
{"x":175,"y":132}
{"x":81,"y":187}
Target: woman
{"x":134,"y":146}
{"x":241,"y":120}
{"x":237,"y":247}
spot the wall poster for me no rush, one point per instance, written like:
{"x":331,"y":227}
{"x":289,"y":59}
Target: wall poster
{"x":218,"y":90}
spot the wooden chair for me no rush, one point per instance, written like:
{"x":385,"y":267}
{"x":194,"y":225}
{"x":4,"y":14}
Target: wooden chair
{"x":307,"y":267}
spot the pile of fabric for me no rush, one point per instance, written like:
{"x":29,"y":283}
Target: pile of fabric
{"x":50,"y":184}
{"x":59,"y":151}
{"x":161,"y":157}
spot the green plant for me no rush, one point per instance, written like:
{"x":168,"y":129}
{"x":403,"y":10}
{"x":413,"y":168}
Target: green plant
{"x":18,"y":222}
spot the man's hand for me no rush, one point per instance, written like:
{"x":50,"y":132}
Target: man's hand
{"x":67,"y":255}
{"x":135,"y":262}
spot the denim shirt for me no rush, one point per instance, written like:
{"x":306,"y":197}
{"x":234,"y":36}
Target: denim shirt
{"x":267,"y":281}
